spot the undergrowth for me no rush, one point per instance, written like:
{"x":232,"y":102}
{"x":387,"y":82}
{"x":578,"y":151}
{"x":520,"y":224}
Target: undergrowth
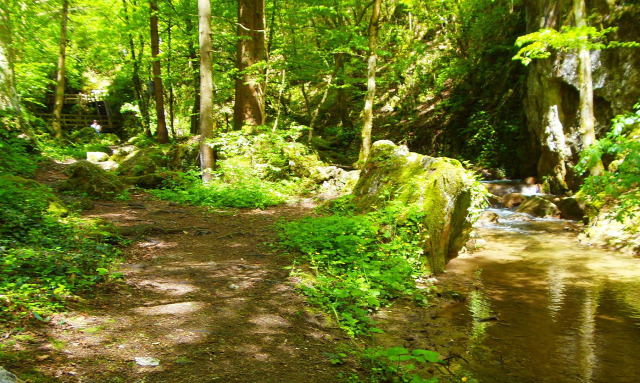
{"x":247,"y":192}
{"x":351,"y":265}
{"x":47,"y":253}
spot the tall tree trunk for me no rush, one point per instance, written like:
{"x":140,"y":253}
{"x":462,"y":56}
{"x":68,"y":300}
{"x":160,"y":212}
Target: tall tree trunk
{"x":193,"y":57}
{"x":141,"y":95}
{"x":371,"y":83}
{"x":59,"y":95}
{"x":207,"y":157}
{"x":343,"y":97}
{"x":195,"y":110}
{"x":251,"y":49}
{"x":587,"y":118}
{"x":171,"y":98}
{"x":163,"y":134}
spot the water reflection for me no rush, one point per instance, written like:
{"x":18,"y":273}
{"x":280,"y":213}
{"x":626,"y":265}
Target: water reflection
{"x":567,"y":313}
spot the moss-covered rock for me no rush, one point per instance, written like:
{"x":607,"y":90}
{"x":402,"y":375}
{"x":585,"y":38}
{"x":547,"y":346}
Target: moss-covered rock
{"x":141,"y":162}
{"x":90,"y":179}
{"x":571,"y":208}
{"x":439,"y":187}
{"x":539,"y":207}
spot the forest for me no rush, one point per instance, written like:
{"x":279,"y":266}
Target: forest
{"x":319,"y":191}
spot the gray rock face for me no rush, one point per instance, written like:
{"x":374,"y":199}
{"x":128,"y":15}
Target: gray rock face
{"x":552,"y":99}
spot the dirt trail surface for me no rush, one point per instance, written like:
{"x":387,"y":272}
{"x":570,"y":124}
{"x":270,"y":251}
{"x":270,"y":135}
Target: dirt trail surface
{"x":203,"y":296}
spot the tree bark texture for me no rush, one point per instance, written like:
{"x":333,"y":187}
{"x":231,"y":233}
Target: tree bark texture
{"x":163,"y":134}
{"x":371,"y":83}
{"x":141,"y":95}
{"x":251,"y":49}
{"x":8,"y":93}
{"x":587,"y":118}
{"x":207,"y":158}
{"x":60,"y":74}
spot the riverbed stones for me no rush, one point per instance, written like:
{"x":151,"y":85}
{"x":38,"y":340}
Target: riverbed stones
{"x":513,"y":199}
{"x":539,"y":207}
{"x":488,"y":216}
{"x":439,"y":187}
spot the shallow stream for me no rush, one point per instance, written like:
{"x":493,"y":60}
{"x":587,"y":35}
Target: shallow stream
{"x":546,"y":308}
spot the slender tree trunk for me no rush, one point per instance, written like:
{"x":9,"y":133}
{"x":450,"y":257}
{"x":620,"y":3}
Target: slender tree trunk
{"x":195,"y":110}
{"x":278,"y":103}
{"x":141,"y":95}
{"x":312,"y":123}
{"x":171,"y":98}
{"x":371,"y":83}
{"x":59,"y":95}
{"x":163,"y":134}
{"x":251,"y":49}
{"x":343,"y":97}
{"x":207,"y":158}
{"x":587,"y":118}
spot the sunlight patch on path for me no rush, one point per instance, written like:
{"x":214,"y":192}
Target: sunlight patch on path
{"x":183,"y":308}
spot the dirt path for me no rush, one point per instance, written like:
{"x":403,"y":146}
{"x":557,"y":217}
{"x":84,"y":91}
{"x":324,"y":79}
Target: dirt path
{"x":203,"y":295}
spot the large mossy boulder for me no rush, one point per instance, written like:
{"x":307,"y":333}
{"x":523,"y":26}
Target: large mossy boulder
{"x":439,"y":187}
{"x":141,"y":162}
{"x":90,"y":179}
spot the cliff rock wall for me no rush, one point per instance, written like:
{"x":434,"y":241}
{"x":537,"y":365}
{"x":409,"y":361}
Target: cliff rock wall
{"x":552,"y":96}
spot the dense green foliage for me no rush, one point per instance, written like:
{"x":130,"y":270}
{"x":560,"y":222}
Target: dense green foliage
{"x":620,"y":182}
{"x":541,"y":44}
{"x":353,"y":264}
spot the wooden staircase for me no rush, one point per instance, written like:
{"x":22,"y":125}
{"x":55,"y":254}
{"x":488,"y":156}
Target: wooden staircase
{"x":81,"y":109}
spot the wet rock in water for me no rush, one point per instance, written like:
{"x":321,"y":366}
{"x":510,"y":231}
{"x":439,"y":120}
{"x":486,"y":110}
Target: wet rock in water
{"x":495,"y":201}
{"x":453,"y":296}
{"x":488,"y":216}
{"x":539,"y":207}
{"x":520,"y":217}
{"x":90,"y":179}
{"x":440,"y":187}
{"x":571,"y":208}
{"x":8,"y":377}
{"x":513,"y":199}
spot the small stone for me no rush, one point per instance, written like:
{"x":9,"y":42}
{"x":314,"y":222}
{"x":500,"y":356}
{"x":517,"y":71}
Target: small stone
{"x":147,"y":361}
{"x":233,"y":286}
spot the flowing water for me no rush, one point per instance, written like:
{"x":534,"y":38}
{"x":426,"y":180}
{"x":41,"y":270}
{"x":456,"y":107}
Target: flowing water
{"x":548,"y":309}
